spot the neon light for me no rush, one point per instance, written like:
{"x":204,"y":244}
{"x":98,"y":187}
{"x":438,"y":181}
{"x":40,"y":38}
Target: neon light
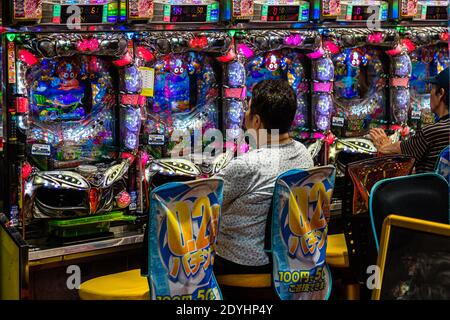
{"x":316,"y":10}
{"x":395,"y":10}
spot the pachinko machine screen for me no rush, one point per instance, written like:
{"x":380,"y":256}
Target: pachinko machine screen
{"x":61,"y":12}
{"x":360,"y":89}
{"x":427,"y":62}
{"x":181,"y":90}
{"x":352,"y":10}
{"x":71,"y":103}
{"x":174,"y":11}
{"x":271,"y":10}
{"x":288,"y":64}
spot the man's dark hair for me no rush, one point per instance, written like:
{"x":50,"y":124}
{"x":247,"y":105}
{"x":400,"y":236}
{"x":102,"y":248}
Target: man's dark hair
{"x":275,"y":102}
{"x":438,"y":89}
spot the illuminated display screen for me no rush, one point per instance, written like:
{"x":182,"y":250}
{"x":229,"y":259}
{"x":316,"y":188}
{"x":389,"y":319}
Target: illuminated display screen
{"x":361,"y":13}
{"x":89,"y":14}
{"x":188,"y":14}
{"x":283,"y":13}
{"x":436,"y":13}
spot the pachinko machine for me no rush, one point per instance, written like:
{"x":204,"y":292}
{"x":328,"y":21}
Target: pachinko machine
{"x":73,"y":125}
{"x":427,"y":48}
{"x":173,"y":11}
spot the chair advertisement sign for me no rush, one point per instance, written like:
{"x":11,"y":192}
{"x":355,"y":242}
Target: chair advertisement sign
{"x":301,"y":210}
{"x":183,"y":226}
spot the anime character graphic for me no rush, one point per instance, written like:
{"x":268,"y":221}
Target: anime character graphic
{"x":56,"y":91}
{"x":285,"y":64}
{"x":185,"y":94}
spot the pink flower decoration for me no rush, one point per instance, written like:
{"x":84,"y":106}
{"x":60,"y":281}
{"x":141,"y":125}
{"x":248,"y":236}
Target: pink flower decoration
{"x":293,"y":40}
{"x":393,"y":52}
{"x":81,"y":45}
{"x":245,"y":50}
{"x":316,"y":54}
{"x":318,"y":135}
{"x":304,"y":135}
{"x":244,"y":148}
{"x":145,"y":54}
{"x":27,"y":57}
{"x":408,"y":44}
{"x":144,"y":158}
{"x":375,"y":37}
{"x":332,"y":47}
{"x":92,"y":44}
{"x":125,"y":60}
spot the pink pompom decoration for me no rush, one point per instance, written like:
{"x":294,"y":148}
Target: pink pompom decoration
{"x":145,"y":54}
{"x":123,"y":199}
{"x":245,"y":50}
{"x":244,"y":148}
{"x":375,"y":37}
{"x":125,"y":60}
{"x":408,"y":45}
{"x":393,"y":52}
{"x":316,"y":54}
{"x":318,"y":135}
{"x":331,"y":46}
{"x":27,"y":57}
{"x":293,"y":40}
{"x":144,"y":158}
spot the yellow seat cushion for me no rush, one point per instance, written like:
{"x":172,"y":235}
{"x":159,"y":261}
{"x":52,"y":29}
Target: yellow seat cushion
{"x":128,"y":285}
{"x":337,"y":253}
{"x":263,"y":280}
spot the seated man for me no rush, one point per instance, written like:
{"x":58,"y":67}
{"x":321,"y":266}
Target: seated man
{"x":427,"y":143}
{"x":249,"y":180}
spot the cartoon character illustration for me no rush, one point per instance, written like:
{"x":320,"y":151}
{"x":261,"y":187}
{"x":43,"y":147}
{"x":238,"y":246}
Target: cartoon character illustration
{"x":185,"y":90}
{"x":276,"y":65}
{"x":67,"y":73}
{"x":348,"y":71}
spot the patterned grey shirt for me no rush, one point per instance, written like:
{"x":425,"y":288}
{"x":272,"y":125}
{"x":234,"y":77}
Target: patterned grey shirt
{"x":249,"y":181}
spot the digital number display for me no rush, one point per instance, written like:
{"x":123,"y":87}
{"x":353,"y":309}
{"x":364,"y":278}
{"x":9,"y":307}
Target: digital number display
{"x":89,"y":14}
{"x":361,"y":13}
{"x":436,"y":13}
{"x":188,"y":14}
{"x":283,"y":13}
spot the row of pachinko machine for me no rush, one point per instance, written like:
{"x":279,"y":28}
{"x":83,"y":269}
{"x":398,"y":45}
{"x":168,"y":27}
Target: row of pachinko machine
{"x":98,"y":94}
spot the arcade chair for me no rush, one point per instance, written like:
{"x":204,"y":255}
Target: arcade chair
{"x":360,"y":177}
{"x":132,"y":285}
{"x":443,"y":164}
{"x":261,"y":286}
{"x":422,"y":196}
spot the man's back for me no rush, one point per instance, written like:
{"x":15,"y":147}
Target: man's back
{"x":250,"y":180}
{"x":427,"y":144}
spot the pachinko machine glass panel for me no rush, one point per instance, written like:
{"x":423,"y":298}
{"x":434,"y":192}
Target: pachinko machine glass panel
{"x":67,"y":12}
{"x":173,"y":11}
{"x":73,"y":128}
{"x":361,"y":79}
{"x":351,"y":10}
{"x":270,"y":11}
{"x":429,"y":55}
{"x":181,"y":77}
{"x":264,"y":55}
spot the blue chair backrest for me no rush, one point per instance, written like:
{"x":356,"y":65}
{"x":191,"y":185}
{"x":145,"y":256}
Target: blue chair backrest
{"x":299,"y":226}
{"x":182,"y":230}
{"x":421,"y":196}
{"x":443,"y":164}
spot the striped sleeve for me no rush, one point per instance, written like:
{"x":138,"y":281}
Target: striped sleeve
{"x":415,"y":146}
